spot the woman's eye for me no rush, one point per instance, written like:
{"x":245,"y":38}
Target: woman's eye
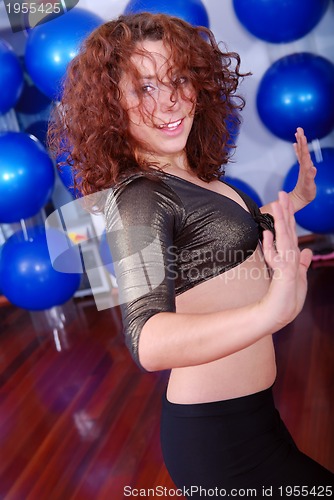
{"x":148,"y":88}
{"x":180,"y":80}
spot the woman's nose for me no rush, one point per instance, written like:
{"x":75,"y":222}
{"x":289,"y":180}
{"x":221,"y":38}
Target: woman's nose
{"x":168,"y":97}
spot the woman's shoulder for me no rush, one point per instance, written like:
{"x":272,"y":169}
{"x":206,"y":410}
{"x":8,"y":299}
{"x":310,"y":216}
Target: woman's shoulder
{"x":151,"y":184}
{"x":149,"y":179}
{"x":143,"y":192}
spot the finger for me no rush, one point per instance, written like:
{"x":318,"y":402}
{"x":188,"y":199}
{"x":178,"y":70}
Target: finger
{"x":313,"y":171}
{"x":268,"y":247}
{"x":304,"y":149}
{"x":288,"y":216}
{"x":298,"y":145}
{"x":297,"y":136}
{"x":304,"y":158}
{"x":283,"y":198}
{"x":292,"y":222}
{"x":306,"y":257}
{"x":296,"y":148}
{"x":282,"y":236}
{"x":300,"y":131}
{"x":300,"y":135}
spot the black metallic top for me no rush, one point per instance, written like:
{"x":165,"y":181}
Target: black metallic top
{"x":167,"y":235}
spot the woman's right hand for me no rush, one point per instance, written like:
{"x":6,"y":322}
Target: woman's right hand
{"x":287,"y":292}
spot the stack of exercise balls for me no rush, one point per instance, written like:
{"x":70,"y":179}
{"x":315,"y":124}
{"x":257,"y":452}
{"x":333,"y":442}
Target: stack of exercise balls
{"x":27,"y":277}
{"x":27,"y":173}
{"x":296,"y":90}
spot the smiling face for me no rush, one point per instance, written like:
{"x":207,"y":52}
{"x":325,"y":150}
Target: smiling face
{"x":161,"y":108}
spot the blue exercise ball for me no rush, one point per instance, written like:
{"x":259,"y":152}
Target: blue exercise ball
{"x":32,"y":101}
{"x":243,"y":186}
{"x":11,"y":77}
{"x":279,"y":21}
{"x":39,"y":130}
{"x":51,"y":46}
{"x":298,"y":91}
{"x":27,"y":277}
{"x":26,"y":176}
{"x":192,"y":11}
{"x":318,"y":216}
{"x":105,"y":254}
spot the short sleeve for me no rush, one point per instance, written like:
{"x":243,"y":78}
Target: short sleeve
{"x":141,"y":218}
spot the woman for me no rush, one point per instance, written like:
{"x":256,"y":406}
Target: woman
{"x":144,"y":112}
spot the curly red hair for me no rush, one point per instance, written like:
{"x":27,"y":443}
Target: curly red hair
{"x":91,"y":127}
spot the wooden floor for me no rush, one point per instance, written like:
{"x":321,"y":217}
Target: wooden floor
{"x":79,"y":421}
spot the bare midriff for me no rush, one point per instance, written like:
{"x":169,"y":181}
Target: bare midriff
{"x":247,"y":371}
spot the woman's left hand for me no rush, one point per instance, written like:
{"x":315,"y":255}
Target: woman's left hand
{"x":305,"y":190}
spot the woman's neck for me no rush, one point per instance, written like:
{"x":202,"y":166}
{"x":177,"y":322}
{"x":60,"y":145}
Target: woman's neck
{"x":170,"y":163}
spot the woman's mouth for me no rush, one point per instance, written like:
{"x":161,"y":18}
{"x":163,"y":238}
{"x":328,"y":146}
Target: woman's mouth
{"x":171,"y":126}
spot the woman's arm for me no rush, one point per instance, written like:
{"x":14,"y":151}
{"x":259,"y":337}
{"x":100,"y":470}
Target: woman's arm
{"x":170,"y":340}
{"x":305,"y":190}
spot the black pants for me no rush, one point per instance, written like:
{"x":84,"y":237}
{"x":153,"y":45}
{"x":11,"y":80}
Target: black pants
{"x":225,"y":448}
